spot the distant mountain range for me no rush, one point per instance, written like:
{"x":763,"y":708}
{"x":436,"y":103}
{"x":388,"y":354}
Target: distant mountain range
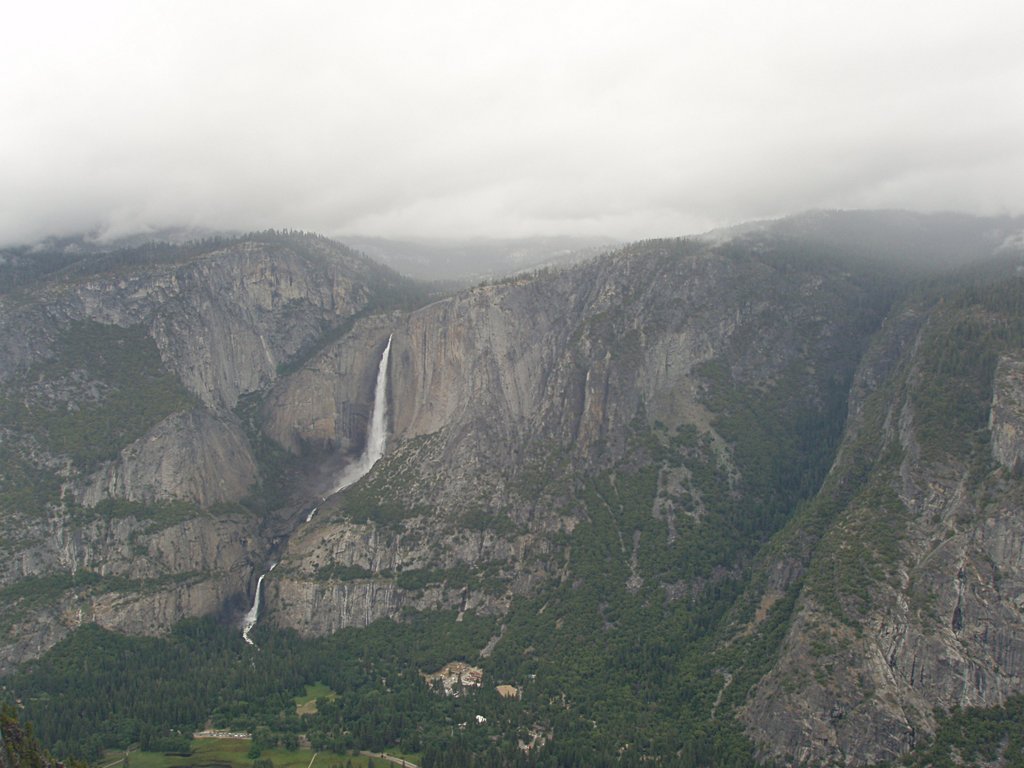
{"x":436,"y":260}
{"x":473,"y":260}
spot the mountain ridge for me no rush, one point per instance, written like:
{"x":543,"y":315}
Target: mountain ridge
{"x":686,"y":435}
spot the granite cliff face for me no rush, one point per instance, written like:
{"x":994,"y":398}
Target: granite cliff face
{"x":189,"y":455}
{"x":1006,"y":419}
{"x":132,"y":574}
{"x":325,"y":405}
{"x":503,"y":397}
{"x":223,"y":317}
{"x":120,"y":378}
{"x":914,"y":597}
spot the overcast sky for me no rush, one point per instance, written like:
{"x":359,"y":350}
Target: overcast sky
{"x":443,"y":118}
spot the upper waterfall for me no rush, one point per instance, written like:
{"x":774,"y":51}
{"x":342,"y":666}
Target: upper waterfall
{"x":377,"y":436}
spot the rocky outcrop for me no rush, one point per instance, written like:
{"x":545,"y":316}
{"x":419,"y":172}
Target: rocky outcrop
{"x":135,"y":575}
{"x":322,"y":608}
{"x":1006,"y":420}
{"x":242,"y":313}
{"x":148,"y":608}
{"x":949,"y":633}
{"x":224,"y":319}
{"x":151,"y":607}
{"x":338,"y":573}
{"x":180,"y":540}
{"x":192,"y":456}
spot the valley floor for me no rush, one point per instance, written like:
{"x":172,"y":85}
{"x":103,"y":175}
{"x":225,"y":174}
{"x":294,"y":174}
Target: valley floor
{"x":233,"y":752}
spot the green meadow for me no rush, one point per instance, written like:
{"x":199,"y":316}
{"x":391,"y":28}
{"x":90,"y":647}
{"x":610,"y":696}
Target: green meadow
{"x":234,"y":753}
{"x":306,"y":705}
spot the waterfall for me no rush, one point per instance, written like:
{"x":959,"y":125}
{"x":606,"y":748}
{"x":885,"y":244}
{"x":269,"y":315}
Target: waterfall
{"x":254,"y":613}
{"x":377,"y":435}
{"x":376,"y":440}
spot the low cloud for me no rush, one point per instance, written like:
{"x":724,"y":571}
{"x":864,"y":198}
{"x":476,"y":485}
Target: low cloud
{"x":470,"y":119}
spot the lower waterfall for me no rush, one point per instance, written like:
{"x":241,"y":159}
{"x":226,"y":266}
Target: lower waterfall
{"x":254,"y":613}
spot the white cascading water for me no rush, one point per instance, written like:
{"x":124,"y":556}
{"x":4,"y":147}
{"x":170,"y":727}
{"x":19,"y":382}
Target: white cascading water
{"x":254,"y":613}
{"x":376,"y":438}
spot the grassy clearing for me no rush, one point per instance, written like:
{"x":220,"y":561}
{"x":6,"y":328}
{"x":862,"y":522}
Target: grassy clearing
{"x":306,"y":705}
{"x":234,"y":753}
